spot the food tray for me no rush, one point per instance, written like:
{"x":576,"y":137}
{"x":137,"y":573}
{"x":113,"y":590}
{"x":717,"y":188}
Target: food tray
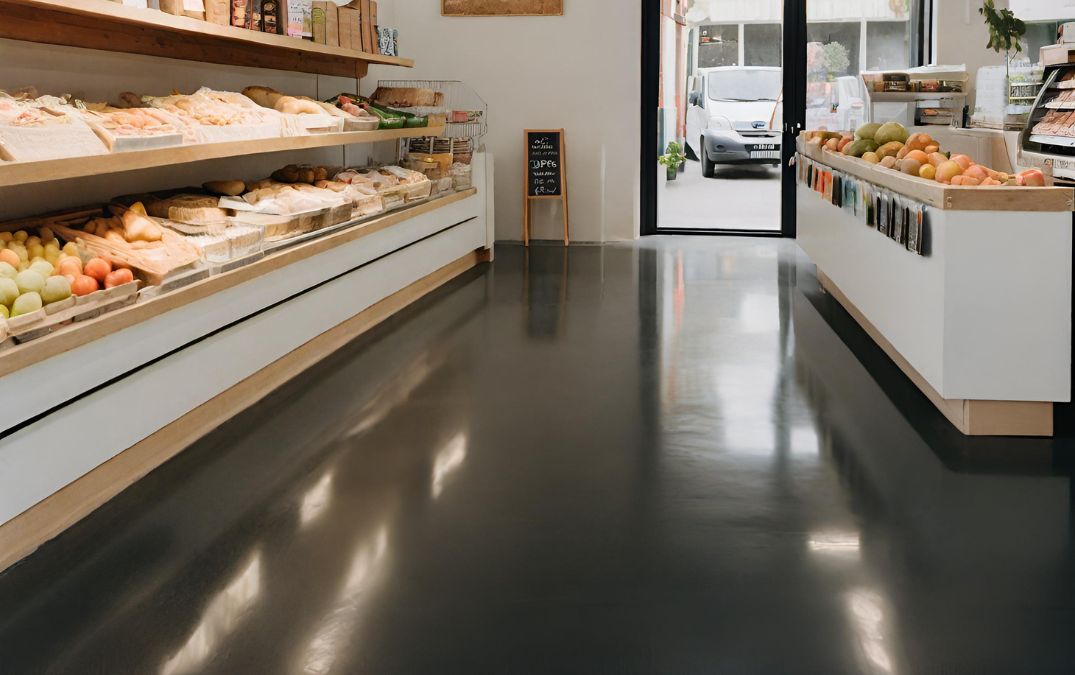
{"x":319,"y":124}
{"x":125,"y":143}
{"x":50,"y":317}
{"x":417,"y":191}
{"x":359,"y":124}
{"x":60,"y":140}
{"x":154,"y":263}
{"x":286,"y":226}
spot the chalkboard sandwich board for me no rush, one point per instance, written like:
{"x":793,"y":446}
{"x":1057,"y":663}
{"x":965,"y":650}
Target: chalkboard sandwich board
{"x":546,"y":173}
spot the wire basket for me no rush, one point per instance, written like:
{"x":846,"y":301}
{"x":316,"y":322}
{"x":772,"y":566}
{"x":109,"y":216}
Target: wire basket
{"x":465,"y":113}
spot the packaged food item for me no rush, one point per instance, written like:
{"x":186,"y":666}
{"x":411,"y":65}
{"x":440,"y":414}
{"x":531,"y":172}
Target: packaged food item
{"x":273,"y":16}
{"x":132,"y":128}
{"x":218,"y":12}
{"x":30,"y":131}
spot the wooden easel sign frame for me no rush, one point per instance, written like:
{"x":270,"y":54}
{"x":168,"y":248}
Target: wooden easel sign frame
{"x":545,"y":174}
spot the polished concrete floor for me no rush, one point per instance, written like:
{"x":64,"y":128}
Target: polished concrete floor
{"x":677,"y":457}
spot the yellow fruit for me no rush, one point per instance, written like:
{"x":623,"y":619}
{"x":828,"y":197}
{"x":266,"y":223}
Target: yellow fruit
{"x":871,"y":157}
{"x":5,"y":237}
{"x":889,"y":149}
{"x":947,"y":171}
{"x":928,"y":171}
{"x":21,"y":236}
{"x":889,"y":162}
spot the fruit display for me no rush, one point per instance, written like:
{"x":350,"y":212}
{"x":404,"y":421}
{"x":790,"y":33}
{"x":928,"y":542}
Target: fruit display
{"x":36,"y":270}
{"x":892,"y":147}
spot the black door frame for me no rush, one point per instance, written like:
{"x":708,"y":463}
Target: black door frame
{"x":794,"y":114}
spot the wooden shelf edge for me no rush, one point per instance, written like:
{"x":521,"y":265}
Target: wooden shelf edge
{"x":950,"y":197}
{"x":24,"y":173}
{"x":76,"y":335}
{"x":132,"y":25}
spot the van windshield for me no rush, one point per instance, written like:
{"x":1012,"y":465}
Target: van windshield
{"x":744,"y":85}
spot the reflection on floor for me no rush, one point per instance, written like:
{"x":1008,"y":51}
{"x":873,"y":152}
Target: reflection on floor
{"x":738,"y":198}
{"x":675,"y":457}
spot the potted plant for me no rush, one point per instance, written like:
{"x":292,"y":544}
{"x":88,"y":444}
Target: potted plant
{"x":672,"y":158}
{"x":1005,"y":32}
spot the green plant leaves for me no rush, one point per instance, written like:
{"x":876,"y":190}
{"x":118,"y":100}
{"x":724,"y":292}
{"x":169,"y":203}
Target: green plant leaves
{"x":1005,"y":29}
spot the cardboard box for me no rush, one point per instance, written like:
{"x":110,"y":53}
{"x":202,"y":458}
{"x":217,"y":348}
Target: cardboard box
{"x":370,"y":35}
{"x":350,"y":36}
{"x":332,"y":24}
{"x":319,"y":21}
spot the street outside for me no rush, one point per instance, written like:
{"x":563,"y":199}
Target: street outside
{"x":738,"y":198}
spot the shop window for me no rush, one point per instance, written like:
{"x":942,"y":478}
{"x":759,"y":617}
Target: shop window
{"x":888,"y":45}
{"x":1039,"y":34}
{"x":838,"y":54}
{"x":763,"y":44}
{"x":718,"y":45}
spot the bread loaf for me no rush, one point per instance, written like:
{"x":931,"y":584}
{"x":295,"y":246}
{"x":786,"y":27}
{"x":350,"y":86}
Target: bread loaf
{"x":231,"y":188}
{"x":291,"y":105}
{"x":192,"y":209}
{"x":263,"y":96}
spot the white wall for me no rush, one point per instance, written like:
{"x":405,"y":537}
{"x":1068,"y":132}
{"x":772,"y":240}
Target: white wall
{"x":960,"y":36}
{"x":1043,"y":10}
{"x":580,"y":71}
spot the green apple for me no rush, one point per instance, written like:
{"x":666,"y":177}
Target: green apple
{"x":9,"y":290}
{"x":56,"y":289}
{"x":43,"y":267}
{"x":26,"y":304}
{"x":30,"y":281}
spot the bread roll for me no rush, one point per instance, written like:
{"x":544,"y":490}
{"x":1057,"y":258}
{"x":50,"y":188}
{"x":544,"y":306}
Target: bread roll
{"x":296,"y":106}
{"x":231,"y":188}
{"x":263,"y":96}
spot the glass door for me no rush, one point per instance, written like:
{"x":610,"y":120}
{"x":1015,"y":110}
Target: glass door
{"x":720,"y":117}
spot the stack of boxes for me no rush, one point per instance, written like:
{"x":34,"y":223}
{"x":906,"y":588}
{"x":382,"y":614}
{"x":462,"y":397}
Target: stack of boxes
{"x":328,"y":22}
{"x":352,"y":26}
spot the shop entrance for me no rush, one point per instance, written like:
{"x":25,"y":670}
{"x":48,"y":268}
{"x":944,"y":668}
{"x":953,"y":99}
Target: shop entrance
{"x":733,"y":84}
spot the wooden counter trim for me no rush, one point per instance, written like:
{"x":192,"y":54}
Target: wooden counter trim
{"x":972,"y":418}
{"x":942,"y":196}
{"x":110,"y":26}
{"x":75,"y":335}
{"x":23,"y":173}
{"x":22,"y":535}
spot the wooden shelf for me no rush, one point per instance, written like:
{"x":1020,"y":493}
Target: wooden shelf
{"x":22,"y":173}
{"x":909,"y":96}
{"x":943,"y":196}
{"x":78,"y":334}
{"x":110,"y":26}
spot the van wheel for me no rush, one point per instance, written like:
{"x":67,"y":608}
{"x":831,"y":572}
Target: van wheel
{"x":709,"y":167}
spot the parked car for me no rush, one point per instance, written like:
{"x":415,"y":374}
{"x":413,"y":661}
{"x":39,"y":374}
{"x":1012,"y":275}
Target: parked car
{"x":734,"y":116}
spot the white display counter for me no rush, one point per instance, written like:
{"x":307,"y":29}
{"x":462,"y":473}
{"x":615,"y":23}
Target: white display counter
{"x":981,"y":323}
{"x":94,"y":418}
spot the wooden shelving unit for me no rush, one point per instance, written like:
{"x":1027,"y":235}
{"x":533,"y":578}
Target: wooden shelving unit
{"x":23,"y":173}
{"x":78,"y":334}
{"x":100,"y":24}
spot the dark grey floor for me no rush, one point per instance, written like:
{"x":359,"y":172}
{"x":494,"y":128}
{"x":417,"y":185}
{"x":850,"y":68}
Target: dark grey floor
{"x":676,"y":457}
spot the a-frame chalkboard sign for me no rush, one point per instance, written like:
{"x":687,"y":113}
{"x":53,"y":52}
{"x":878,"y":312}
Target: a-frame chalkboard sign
{"x":546,"y":173}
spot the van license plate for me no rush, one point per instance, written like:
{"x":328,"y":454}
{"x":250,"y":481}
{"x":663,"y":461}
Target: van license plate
{"x":765,"y":154}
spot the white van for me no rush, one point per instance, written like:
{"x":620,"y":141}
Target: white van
{"x":735,"y":116}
